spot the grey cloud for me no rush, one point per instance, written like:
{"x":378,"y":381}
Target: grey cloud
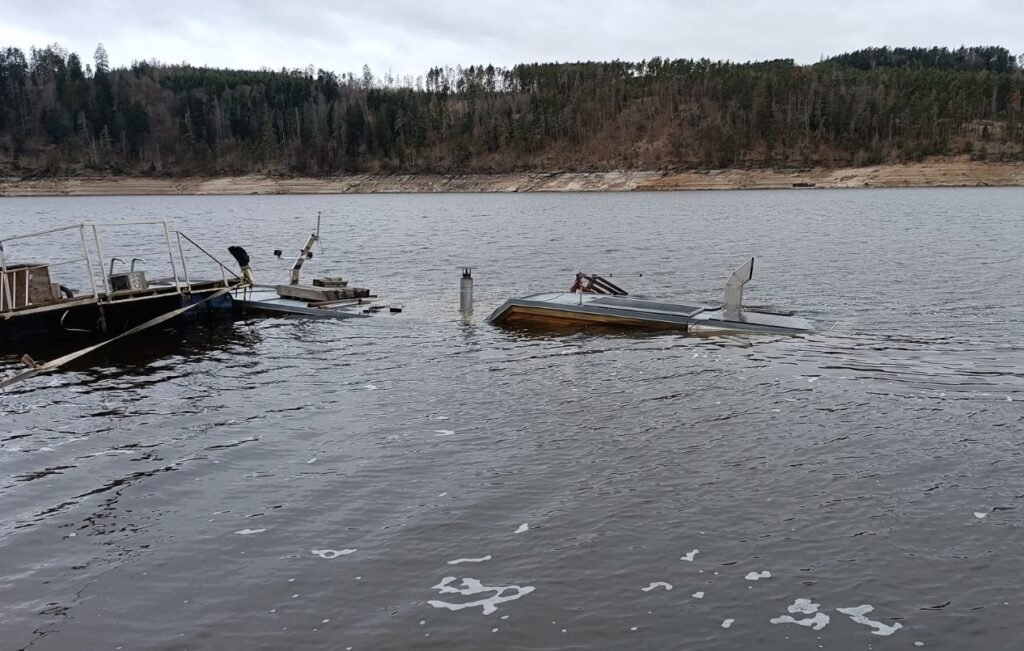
{"x":408,"y":36}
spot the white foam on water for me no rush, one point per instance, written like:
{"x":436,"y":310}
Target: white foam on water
{"x":755,"y":576}
{"x":249,"y":532}
{"x":727,"y":623}
{"x":818,"y":622}
{"x":698,"y":595}
{"x":523,"y":527}
{"x":332,"y":553}
{"x":442,"y":418}
{"x":689,"y":556}
{"x":471,"y":587}
{"x":803,"y":606}
{"x":568,"y":351}
{"x":980,"y":515}
{"x":370,"y":387}
{"x":470,"y":560}
{"x":313,"y":460}
{"x":657,"y":584}
{"x":858,"y":613}
{"x":444,"y":432}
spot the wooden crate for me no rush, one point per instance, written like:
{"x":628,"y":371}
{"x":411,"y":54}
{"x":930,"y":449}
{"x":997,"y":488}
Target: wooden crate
{"x":24,"y":285}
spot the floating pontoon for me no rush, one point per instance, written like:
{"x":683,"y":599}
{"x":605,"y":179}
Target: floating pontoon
{"x":328,"y":297}
{"x":85,"y":293}
{"x":596,"y":301}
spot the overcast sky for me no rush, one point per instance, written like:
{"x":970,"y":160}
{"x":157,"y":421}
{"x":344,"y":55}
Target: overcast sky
{"x":410,"y":36}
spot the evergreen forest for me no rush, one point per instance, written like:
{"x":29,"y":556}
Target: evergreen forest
{"x":62,"y":117}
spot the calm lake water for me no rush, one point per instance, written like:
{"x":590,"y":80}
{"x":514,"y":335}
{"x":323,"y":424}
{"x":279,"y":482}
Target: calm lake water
{"x":417,"y":481}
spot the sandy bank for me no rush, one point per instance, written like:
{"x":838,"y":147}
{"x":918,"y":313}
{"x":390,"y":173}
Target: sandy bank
{"x":941,"y":173}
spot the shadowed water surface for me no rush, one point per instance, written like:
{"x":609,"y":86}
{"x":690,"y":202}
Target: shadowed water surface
{"x":417,"y":481}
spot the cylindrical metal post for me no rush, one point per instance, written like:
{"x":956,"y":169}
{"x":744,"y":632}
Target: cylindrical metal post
{"x":466,"y":291}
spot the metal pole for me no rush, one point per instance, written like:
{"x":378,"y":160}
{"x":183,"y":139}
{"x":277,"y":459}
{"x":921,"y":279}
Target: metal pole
{"x":99,"y":252}
{"x":170,"y":255}
{"x":224,"y":270}
{"x":184,"y":267}
{"x":466,"y":291}
{"x":6,"y":284}
{"x":88,"y":262}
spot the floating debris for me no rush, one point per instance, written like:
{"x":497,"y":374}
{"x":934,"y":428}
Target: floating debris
{"x":756,"y":576}
{"x":689,"y":556}
{"x":444,"y":432}
{"x":523,"y":527}
{"x":980,"y":514}
{"x":727,"y":623}
{"x":249,"y":532}
{"x":698,"y":595}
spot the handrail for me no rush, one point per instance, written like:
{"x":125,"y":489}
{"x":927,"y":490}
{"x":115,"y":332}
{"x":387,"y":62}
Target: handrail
{"x":222,"y":266}
{"x":184,"y":265}
{"x":170,"y":255}
{"x":92,"y":248}
{"x":39,"y":233}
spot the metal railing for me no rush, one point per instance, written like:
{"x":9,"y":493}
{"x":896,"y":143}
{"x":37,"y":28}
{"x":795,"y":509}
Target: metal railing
{"x":92,"y":258}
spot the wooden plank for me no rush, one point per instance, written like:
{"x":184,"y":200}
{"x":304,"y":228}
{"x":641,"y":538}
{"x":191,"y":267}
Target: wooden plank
{"x":553,"y":318}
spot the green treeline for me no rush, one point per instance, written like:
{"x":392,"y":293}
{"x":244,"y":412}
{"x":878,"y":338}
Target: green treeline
{"x":58,"y":117}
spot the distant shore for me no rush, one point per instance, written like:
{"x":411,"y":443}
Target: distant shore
{"x":940,"y":173}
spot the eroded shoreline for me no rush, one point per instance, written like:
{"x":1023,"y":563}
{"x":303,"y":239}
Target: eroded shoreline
{"x":946,"y":173}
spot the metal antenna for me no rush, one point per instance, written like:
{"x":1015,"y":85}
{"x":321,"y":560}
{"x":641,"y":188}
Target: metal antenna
{"x":319,"y":242}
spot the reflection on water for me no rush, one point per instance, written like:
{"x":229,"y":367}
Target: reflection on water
{"x":425,"y":481}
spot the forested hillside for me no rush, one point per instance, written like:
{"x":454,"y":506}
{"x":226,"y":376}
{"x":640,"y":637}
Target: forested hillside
{"x":60,"y":117}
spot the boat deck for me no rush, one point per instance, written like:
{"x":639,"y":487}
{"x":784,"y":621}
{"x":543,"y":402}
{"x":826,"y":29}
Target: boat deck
{"x":566,"y":309}
{"x":267,"y":300}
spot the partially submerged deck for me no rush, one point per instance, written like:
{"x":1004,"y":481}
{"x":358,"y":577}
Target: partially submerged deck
{"x":596,"y":302}
{"x":85,"y":293}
